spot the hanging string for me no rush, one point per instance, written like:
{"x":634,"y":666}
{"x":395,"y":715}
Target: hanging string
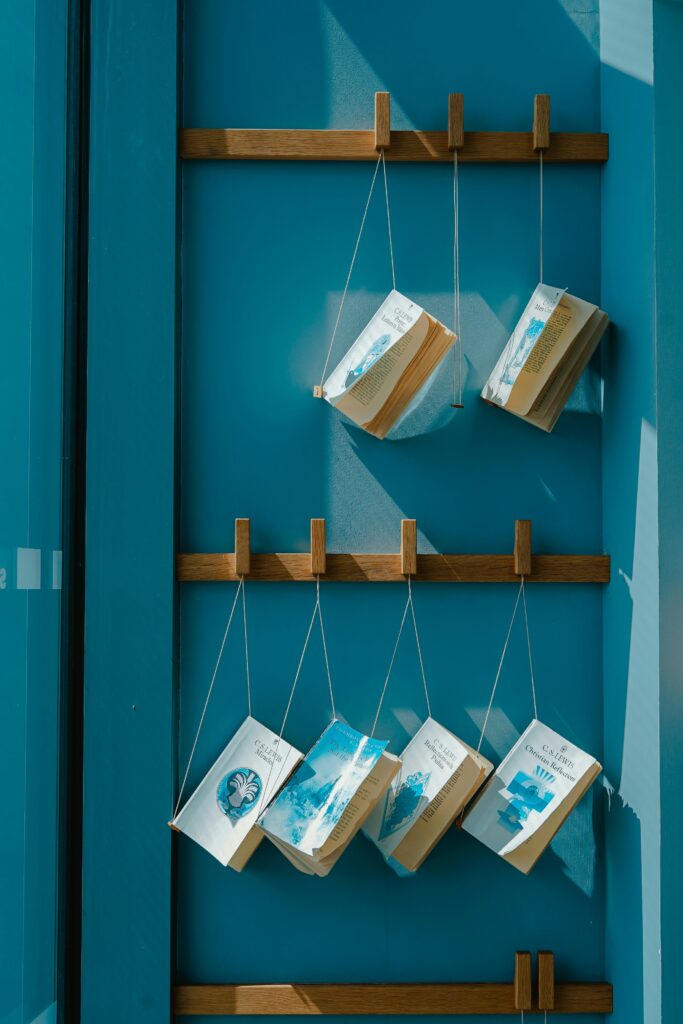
{"x":246,"y":643}
{"x":411,"y":606}
{"x":317,"y":611}
{"x":521,"y":593}
{"x":380,"y":159}
{"x":208,"y":696}
{"x":457,"y":350}
{"x":540,"y":215}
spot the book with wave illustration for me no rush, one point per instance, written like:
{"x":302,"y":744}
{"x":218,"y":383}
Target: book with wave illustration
{"x":392,"y":358}
{"x":530,"y":795}
{"x":332,"y":792}
{"x":547,"y":352}
{"x":439,"y":775}
{"x":221,"y":814}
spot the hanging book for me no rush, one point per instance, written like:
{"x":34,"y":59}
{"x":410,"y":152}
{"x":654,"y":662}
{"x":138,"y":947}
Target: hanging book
{"x":530,"y":795}
{"x":221,"y":814}
{"x":439,"y":775}
{"x":334,"y":789}
{"x":548,"y":351}
{"x":386,"y":366}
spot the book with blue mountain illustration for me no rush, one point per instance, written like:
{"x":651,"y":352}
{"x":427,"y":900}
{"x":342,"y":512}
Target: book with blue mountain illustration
{"x":547,"y":352}
{"x":222,"y":812}
{"x":334,"y":789}
{"x":392,"y":358}
{"x":530,"y":795}
{"x":439,"y":775}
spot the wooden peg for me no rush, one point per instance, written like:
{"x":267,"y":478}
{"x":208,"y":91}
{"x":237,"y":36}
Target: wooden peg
{"x":522,"y":981}
{"x":456,"y":120}
{"x":318,"y":557}
{"x":382,"y":120}
{"x":242,"y":547}
{"x":522,"y":560}
{"x":541,"y":122}
{"x":546,"y":980}
{"x":409,"y":547}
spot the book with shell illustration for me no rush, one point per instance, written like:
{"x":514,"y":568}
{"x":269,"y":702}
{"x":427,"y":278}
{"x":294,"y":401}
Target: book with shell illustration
{"x":388,"y":364}
{"x":547,"y":352}
{"x":439,"y":775}
{"x":316,"y":815}
{"x":530,"y":795}
{"x":221,"y":813}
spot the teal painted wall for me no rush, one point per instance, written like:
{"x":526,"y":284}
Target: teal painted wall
{"x":265,"y":250}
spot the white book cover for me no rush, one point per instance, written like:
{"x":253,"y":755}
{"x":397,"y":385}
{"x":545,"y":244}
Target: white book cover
{"x":223,"y":809}
{"x":530,"y":326}
{"x":531,"y":784}
{"x":309,"y":807}
{"x":395,"y":318}
{"x":431,"y":758}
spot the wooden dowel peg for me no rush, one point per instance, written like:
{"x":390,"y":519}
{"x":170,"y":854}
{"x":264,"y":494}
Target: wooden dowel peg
{"x":541,"y":122}
{"x":409,"y":547}
{"x":242,"y":547}
{"x":522,"y":559}
{"x":318,"y":554}
{"x":456,"y":120}
{"x":523,"y":981}
{"x":546,"y":980}
{"x":382,"y":120}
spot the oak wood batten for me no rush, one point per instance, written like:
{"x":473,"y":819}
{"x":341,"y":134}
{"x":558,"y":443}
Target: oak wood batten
{"x":447,"y":999}
{"x":368,"y":568}
{"x":405,"y":146}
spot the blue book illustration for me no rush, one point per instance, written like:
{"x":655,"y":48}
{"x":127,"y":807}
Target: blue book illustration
{"x":328,"y":797}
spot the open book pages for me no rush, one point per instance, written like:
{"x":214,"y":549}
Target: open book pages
{"x":548,"y":351}
{"x":530,"y":795}
{"x":439,"y":775}
{"x":335,"y":788}
{"x":387,"y":365}
{"x":221,"y":813}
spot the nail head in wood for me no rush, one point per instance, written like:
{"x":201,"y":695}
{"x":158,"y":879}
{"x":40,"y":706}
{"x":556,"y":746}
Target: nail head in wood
{"x":522,"y":559}
{"x":541,"y":122}
{"x":318,"y":552}
{"x":242,"y":547}
{"x":456,"y":120}
{"x":546,"y":980}
{"x":409,"y":547}
{"x":382,"y":120}
{"x":523,"y":981}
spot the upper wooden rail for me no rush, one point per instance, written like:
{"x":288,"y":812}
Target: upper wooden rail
{"x":405,"y":147}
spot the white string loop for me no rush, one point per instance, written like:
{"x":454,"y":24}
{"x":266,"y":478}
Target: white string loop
{"x":457,"y":350}
{"x":409,"y":604}
{"x":521,"y":593}
{"x":540,"y":214}
{"x":380,"y":159}
{"x":246,"y":642}
{"x":211,"y":684}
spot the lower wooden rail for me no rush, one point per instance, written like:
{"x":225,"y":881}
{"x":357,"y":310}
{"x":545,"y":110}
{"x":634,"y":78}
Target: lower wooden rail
{"x":447,"y":999}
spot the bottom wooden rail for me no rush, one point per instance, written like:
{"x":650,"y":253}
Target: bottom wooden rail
{"x":451,"y":999}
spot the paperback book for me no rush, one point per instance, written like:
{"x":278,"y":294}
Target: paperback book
{"x":392,"y":358}
{"x":222,"y":812}
{"x":548,"y":351}
{"x":332,"y":792}
{"x":439,"y":775}
{"x":530,"y":795}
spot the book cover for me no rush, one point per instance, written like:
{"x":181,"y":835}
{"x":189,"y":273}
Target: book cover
{"x":223,"y":810}
{"x":438,"y":775}
{"x":389,"y":362}
{"x":307,"y":811}
{"x":536,"y":785}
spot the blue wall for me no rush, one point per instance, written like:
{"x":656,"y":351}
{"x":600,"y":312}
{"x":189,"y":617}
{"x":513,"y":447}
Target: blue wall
{"x":265,"y":252}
